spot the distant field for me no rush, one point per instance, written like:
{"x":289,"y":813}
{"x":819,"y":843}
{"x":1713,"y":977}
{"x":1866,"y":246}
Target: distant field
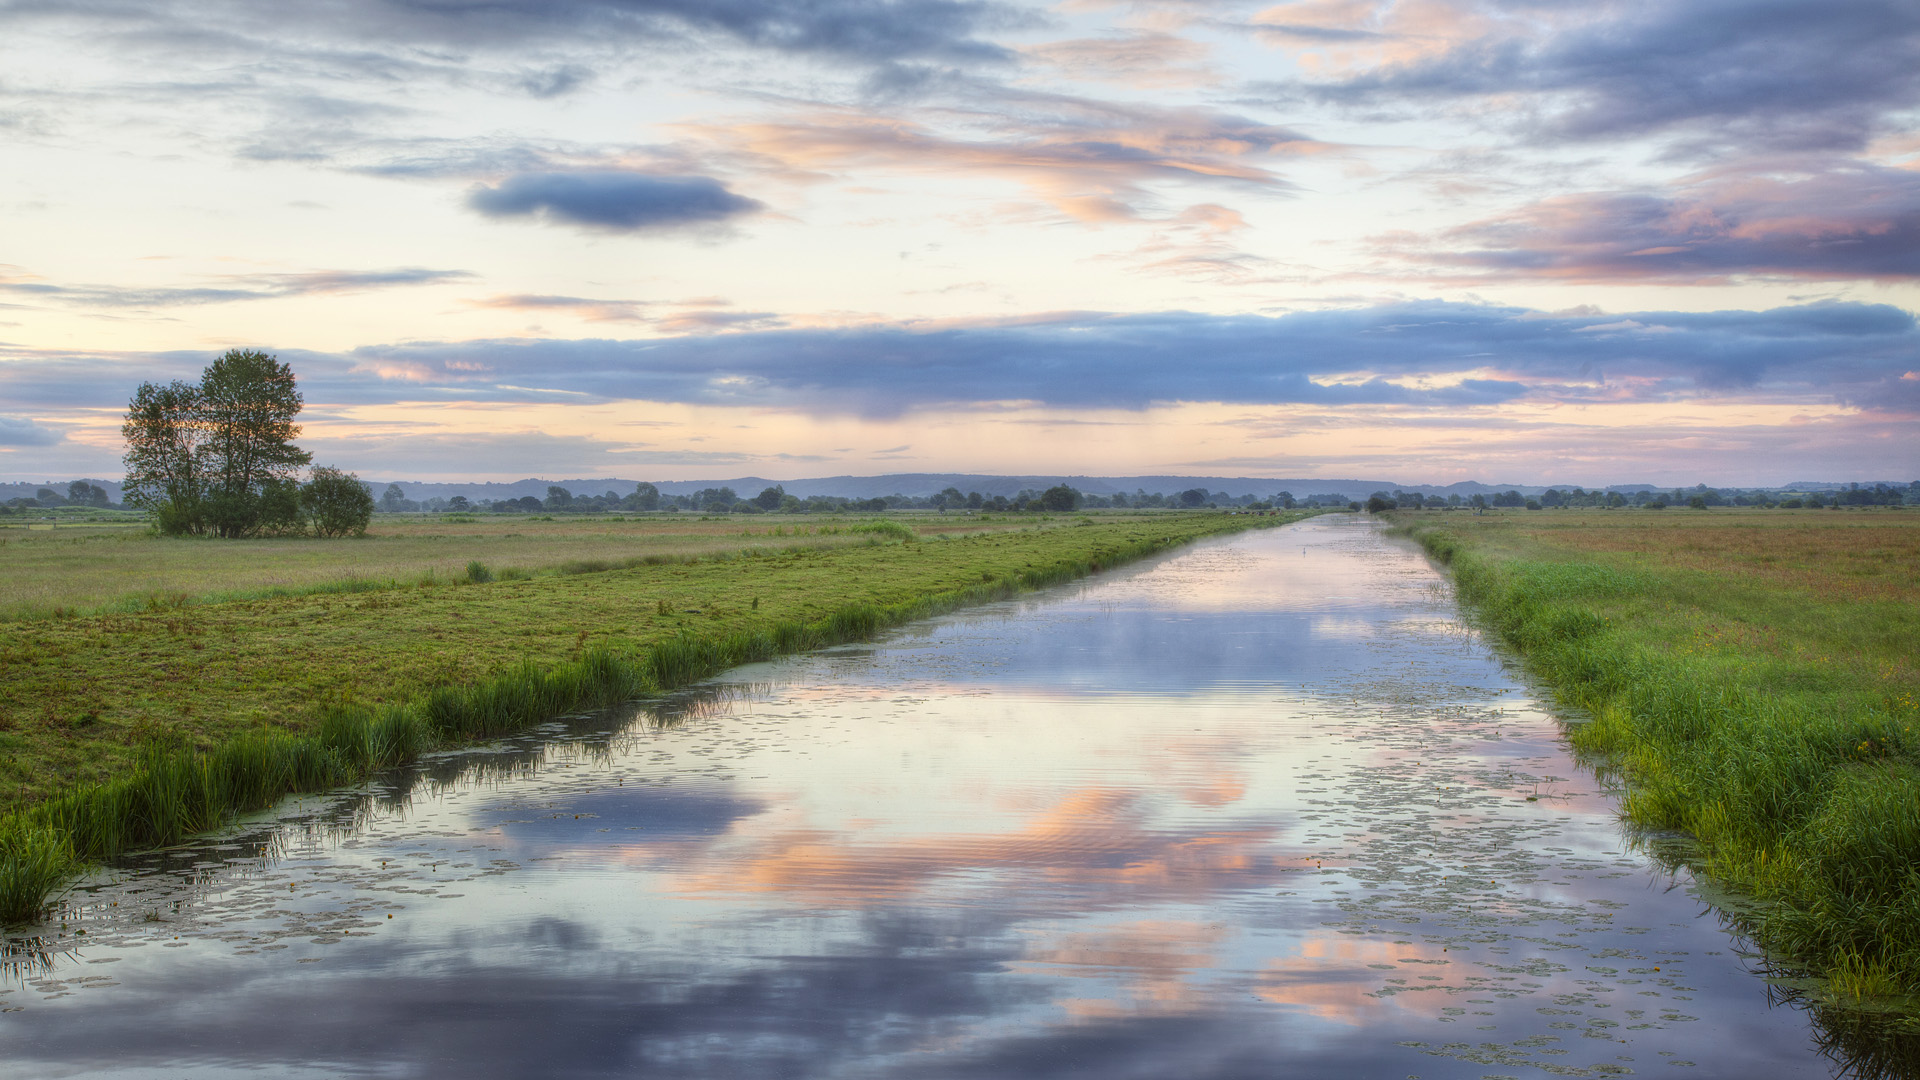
{"x":1757,"y":675}
{"x":84,"y":567}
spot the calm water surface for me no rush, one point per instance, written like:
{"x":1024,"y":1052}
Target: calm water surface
{"x":1265,"y":808}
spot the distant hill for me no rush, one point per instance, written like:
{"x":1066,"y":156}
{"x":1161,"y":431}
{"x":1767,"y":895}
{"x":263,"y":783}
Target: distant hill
{"x":924,"y":484}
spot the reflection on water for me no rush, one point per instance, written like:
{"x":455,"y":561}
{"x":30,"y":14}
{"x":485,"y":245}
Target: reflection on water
{"x":1265,"y":808}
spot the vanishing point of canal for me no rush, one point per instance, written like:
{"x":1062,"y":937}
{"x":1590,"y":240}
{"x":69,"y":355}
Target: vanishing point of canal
{"x":1265,"y":807}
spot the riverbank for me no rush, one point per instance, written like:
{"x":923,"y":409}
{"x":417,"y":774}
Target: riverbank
{"x":1753,"y":674}
{"x":132,"y":729}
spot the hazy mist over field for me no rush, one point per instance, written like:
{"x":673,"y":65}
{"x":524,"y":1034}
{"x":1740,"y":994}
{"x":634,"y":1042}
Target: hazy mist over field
{"x":1428,"y":240}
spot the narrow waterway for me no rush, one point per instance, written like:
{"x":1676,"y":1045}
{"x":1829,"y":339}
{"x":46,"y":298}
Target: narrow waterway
{"x":1263,"y":808}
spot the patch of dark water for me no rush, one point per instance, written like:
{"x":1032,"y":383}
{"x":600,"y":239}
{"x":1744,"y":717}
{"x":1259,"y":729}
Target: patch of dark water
{"x":1265,"y":807}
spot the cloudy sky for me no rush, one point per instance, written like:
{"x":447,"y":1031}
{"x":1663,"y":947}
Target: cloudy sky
{"x":1426,"y":240}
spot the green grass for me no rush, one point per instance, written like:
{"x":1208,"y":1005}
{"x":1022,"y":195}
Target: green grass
{"x":1753,"y":676}
{"x":82,"y":566}
{"x":130,"y":730}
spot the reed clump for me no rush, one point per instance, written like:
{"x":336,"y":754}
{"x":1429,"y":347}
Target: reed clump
{"x":175,"y":789}
{"x":1776,"y":725}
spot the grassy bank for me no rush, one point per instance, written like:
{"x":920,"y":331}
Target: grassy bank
{"x":1754,"y":675}
{"x":132,"y":729}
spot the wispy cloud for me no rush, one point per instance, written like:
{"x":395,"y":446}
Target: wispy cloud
{"x":1858,"y":223}
{"x":221,"y":289}
{"x":870,"y":31}
{"x":1711,"y":74}
{"x":1091,"y":161}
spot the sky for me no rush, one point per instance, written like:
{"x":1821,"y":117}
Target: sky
{"x":1426,"y":240}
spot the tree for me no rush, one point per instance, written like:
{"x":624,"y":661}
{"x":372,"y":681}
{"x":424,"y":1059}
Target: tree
{"x":393,"y":500}
{"x":1378,"y":501}
{"x":81,"y":493}
{"x":1059,"y":498}
{"x":248,"y":400}
{"x":459,"y":504}
{"x":215,"y":457}
{"x":644,"y":497}
{"x":1193,"y":497}
{"x":164,"y":431}
{"x":337,"y":503}
{"x":770,"y":498}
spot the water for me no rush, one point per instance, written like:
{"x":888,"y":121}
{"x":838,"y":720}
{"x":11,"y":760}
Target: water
{"x":1263,"y":808}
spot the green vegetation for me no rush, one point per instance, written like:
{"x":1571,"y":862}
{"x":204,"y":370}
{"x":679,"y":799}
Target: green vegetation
{"x":1753,"y":674}
{"x":218,"y":458}
{"x":125,"y":729}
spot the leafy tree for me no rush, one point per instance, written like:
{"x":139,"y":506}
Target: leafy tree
{"x":1379,"y":501}
{"x":558,"y":498}
{"x":248,"y":400}
{"x":214,"y":457}
{"x":393,"y":500}
{"x":1059,"y":498}
{"x":1193,"y":497}
{"x":48,"y":497}
{"x":644,"y":497}
{"x":164,"y":431}
{"x":81,"y":493}
{"x":458,"y":503}
{"x":337,"y":503}
{"x":770,"y":498}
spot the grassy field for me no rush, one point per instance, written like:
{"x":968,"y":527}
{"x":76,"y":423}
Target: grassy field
{"x":141,"y":723}
{"x":103,"y":562}
{"x":1753,"y":673}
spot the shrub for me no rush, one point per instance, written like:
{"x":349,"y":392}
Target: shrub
{"x":337,"y":502}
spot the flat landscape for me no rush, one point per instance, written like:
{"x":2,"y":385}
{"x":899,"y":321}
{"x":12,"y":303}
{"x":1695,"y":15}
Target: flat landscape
{"x":120,"y":639}
{"x":88,"y":563}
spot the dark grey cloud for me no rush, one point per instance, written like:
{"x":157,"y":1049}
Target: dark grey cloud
{"x":222,"y":290}
{"x":868,"y":31}
{"x":1468,"y":355}
{"x":612,"y":201}
{"x":20,"y":431}
{"x":1435,"y":355}
{"x":1792,"y":74}
{"x":1852,"y":223}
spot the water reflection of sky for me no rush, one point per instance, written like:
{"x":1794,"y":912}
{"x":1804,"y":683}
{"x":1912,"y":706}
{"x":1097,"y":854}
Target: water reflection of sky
{"x":1261,"y":809}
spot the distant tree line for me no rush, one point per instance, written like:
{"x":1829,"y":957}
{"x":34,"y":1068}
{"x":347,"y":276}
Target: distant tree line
{"x":775,"y":500}
{"x":1699,"y":497}
{"x":217,"y":458}
{"x":80,"y":493}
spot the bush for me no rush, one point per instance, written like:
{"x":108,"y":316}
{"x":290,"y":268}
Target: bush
{"x":337,"y":502}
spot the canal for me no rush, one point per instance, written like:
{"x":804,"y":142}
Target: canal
{"x":1264,"y":807}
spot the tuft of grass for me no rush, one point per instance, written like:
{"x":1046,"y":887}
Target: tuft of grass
{"x":477,"y":573}
{"x":35,"y":861}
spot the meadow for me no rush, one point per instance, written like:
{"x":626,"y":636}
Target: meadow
{"x":152,"y":715}
{"x":92,"y":563}
{"x":1752,"y":675}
